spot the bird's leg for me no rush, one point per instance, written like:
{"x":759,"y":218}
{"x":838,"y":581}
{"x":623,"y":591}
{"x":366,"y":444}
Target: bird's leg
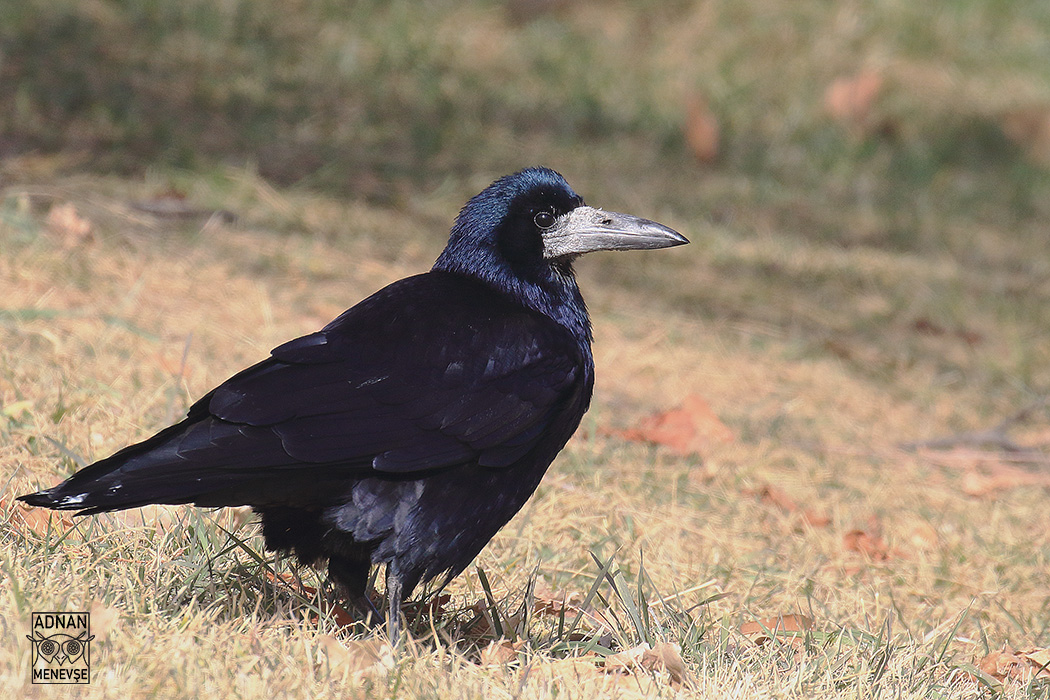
{"x":393,"y":596}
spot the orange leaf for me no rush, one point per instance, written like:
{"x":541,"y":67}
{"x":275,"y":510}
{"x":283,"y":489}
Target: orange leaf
{"x":776,"y":496}
{"x":692,"y":428}
{"x":1016,"y":665}
{"x":849,"y":100}
{"x":870,"y":545}
{"x":761,"y":631}
{"x":701,"y":130}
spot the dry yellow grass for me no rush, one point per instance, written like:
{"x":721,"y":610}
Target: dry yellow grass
{"x":105,"y":338}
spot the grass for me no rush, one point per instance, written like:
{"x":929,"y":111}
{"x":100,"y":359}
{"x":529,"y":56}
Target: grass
{"x":845,"y":292}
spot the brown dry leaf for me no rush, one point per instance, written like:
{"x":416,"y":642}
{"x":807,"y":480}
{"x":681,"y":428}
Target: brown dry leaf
{"x":761,"y":631}
{"x":1016,"y":665}
{"x":692,"y":428}
{"x":775,"y":496}
{"x":357,"y":657}
{"x":624,"y":666}
{"x":701,"y":130}
{"x":850,"y":100}
{"x":335,"y":611}
{"x":667,"y":657}
{"x":1039,"y":659}
{"x":500,"y":653}
{"x":104,"y":619}
{"x":548,"y":602}
{"x":40,"y":521}
{"x":66,"y":222}
{"x":869,"y":544}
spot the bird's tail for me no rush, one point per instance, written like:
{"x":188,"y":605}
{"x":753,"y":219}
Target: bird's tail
{"x":190,"y":462}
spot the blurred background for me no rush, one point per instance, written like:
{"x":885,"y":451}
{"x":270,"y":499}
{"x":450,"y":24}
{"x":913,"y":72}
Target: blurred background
{"x":894,"y":128}
{"x":898,"y":127}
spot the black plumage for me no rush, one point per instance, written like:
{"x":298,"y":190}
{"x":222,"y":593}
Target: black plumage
{"x":410,"y":429}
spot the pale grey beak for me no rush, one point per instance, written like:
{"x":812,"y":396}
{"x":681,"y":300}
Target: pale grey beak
{"x":586,"y":229}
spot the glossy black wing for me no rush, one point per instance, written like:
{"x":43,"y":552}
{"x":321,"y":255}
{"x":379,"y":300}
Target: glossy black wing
{"x":433,"y":371}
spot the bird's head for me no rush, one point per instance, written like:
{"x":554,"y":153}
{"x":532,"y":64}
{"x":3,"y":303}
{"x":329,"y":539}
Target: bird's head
{"x":534,"y":225}
{"x":521,"y":234}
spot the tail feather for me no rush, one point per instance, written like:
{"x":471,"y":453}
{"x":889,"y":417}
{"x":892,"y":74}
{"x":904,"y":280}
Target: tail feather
{"x":202,"y":460}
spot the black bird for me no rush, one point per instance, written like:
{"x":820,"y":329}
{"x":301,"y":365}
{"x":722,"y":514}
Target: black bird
{"x":411,"y":428}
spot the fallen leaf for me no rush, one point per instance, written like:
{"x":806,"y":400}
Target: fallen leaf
{"x":66,"y":222}
{"x":337,"y":612}
{"x":761,"y":631}
{"x":701,"y":130}
{"x":870,"y":545}
{"x":692,"y":428}
{"x":667,"y":657}
{"x":775,"y":496}
{"x":545,"y":601}
{"x":1016,"y":665}
{"x":849,"y":100}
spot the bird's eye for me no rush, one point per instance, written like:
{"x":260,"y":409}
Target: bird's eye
{"x":543,"y":219}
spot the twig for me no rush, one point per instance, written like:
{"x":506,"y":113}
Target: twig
{"x":996,"y":437}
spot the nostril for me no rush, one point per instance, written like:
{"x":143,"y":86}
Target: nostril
{"x":606,"y":222}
